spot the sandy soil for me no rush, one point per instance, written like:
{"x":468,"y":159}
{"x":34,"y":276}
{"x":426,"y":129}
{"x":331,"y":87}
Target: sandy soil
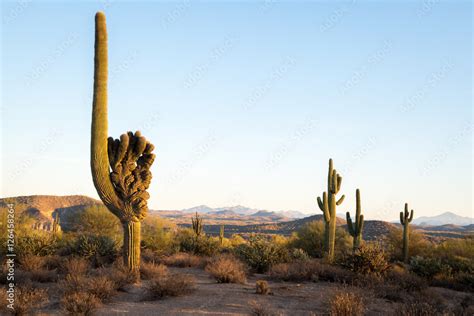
{"x":211,"y":298}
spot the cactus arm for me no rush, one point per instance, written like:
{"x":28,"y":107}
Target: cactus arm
{"x":99,"y":128}
{"x":349,"y":224}
{"x":401,"y":218}
{"x":324,"y":206}
{"x":341,"y":199}
{"x":411,"y":217}
{"x":360,"y":224}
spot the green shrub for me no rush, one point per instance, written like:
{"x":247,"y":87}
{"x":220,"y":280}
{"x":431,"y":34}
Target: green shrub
{"x":96,"y":220}
{"x":260,"y":253}
{"x":158,"y":235}
{"x":419,"y":246}
{"x":310,"y":238}
{"x":38,"y":244}
{"x":427,"y":267}
{"x":98,"y":249}
{"x":367,"y":259}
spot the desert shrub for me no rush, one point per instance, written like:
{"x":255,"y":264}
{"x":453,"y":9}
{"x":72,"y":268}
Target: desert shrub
{"x":183,"y":260}
{"x":120,"y":275}
{"x":346,"y":303}
{"x":79,"y":303}
{"x":419,"y":246}
{"x":416,"y":309}
{"x":206,"y":246}
{"x":460,"y":281}
{"x":149,"y":270}
{"x":427,"y":267}
{"x":27,"y":299}
{"x":295,"y":271}
{"x":260,"y":253}
{"x":203,"y":245}
{"x":368,"y":259}
{"x":101,"y":286}
{"x":54,"y":262}
{"x":260,"y":308}
{"x":29,"y":262}
{"x":75,"y":266}
{"x":38,"y":244}
{"x":461,"y":249}
{"x":297,"y":254}
{"x":149,"y":255}
{"x":98,"y":249}
{"x":226,"y":269}
{"x":95,"y":220}
{"x":35,"y":268}
{"x":310,"y":238}
{"x":170,"y":285}
{"x":236,"y":240}
{"x":158,"y":235}
{"x":261,"y":287}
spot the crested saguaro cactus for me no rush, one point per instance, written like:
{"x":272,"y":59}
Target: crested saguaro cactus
{"x":405,"y":219}
{"x":355,"y":229}
{"x":120,"y":167}
{"x":328,"y":206}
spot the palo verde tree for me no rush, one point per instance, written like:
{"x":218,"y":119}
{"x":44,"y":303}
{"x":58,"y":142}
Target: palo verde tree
{"x":120,"y":167}
{"x":355,"y":229}
{"x":328,"y":206}
{"x":405,"y":219}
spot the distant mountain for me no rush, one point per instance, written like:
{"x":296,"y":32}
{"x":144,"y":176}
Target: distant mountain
{"x":242,"y":210}
{"x":443,"y":219}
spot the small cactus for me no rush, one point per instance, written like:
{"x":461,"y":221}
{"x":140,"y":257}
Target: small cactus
{"x":328,"y":206}
{"x":197,"y":225}
{"x":405,"y":219}
{"x":56,"y":224}
{"x":355,"y":229}
{"x":261,"y":287}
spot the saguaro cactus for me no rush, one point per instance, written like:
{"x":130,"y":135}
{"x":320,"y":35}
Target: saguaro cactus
{"x":328,"y":206}
{"x":405,"y":219}
{"x":197,"y":225}
{"x":121,"y":167}
{"x":221,"y":235}
{"x":355,"y":229}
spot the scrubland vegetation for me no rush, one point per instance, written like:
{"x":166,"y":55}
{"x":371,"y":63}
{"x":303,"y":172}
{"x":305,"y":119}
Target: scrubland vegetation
{"x":80,"y":269}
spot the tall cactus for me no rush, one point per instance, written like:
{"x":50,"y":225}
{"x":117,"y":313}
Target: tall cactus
{"x":221,"y":235}
{"x":121,"y":167}
{"x":197,"y":225}
{"x":355,"y":229}
{"x":328,"y":206}
{"x":405,"y":219}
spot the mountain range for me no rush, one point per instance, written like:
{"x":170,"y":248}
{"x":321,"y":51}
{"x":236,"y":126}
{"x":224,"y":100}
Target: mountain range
{"x":447,"y":218}
{"x":242,"y":210}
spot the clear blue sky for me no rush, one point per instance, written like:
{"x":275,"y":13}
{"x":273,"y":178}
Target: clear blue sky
{"x":246,"y":101}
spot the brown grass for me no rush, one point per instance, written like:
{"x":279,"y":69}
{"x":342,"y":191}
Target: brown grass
{"x":32,"y":263}
{"x":102,"y":287}
{"x":170,"y":285}
{"x":227,"y":269}
{"x":120,"y":275}
{"x":184,"y":260}
{"x":79,"y":303}
{"x":150,"y":270}
{"x":258,"y":308}
{"x":27,"y":299}
{"x":312,"y":270}
{"x":346,"y":303}
{"x":76,"y":266}
{"x":416,"y":309}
